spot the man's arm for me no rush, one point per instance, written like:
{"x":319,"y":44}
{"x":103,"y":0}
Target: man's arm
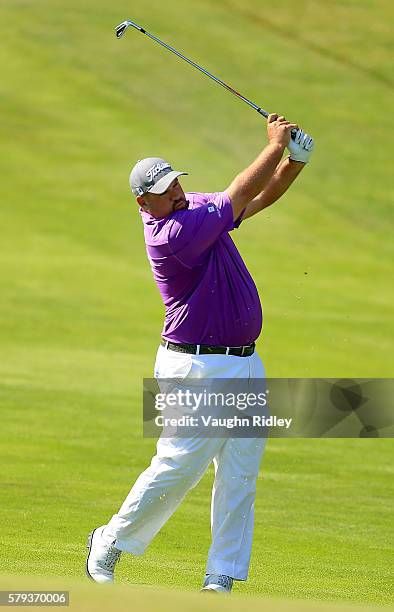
{"x":285,"y":174}
{"x":254,"y":179}
{"x":300,"y":147}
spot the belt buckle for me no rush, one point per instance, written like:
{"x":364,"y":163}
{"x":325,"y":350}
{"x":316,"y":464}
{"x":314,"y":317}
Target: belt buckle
{"x":243,"y":351}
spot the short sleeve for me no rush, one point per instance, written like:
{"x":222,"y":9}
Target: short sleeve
{"x":239,"y":220}
{"x":195,"y":231}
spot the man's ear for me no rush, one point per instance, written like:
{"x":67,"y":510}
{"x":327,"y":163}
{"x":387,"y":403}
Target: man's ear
{"x":142,"y":203}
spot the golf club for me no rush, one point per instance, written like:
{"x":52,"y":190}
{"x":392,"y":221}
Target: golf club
{"x":122,"y":27}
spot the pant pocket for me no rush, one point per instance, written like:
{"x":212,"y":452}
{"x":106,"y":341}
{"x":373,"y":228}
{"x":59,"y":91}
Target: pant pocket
{"x":170,"y":364}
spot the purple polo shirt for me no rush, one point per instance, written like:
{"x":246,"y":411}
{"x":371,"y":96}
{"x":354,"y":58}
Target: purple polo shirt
{"x":208,"y":293}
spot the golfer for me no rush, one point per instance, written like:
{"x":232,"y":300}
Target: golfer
{"x":213,"y":318}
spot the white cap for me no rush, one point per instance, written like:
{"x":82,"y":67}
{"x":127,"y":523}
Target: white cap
{"x":153,"y":175}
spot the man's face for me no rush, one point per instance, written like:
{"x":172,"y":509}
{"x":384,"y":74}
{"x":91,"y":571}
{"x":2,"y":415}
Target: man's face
{"x":166,"y":203}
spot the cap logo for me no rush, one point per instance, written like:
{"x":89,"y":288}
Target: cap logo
{"x":155,"y":170}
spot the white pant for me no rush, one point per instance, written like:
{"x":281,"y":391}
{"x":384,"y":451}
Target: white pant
{"x":180,"y":463}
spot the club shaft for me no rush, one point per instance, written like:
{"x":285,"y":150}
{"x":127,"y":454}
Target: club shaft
{"x":208,"y":74}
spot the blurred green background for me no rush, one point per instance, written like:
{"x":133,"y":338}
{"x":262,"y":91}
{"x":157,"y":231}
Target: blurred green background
{"x":81,"y":317}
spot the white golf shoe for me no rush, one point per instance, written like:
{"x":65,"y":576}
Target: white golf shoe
{"x":102,"y":557}
{"x":217,"y":583}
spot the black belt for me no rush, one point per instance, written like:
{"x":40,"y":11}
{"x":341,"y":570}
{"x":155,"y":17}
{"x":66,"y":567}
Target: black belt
{"x":207,"y":349}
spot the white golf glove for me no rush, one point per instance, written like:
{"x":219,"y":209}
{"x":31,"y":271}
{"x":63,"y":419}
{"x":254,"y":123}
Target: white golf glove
{"x":300,"y":146}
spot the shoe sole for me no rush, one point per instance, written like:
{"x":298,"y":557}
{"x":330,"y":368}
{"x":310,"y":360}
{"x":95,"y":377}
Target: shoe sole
{"x":215,"y":591}
{"x":89,"y":547}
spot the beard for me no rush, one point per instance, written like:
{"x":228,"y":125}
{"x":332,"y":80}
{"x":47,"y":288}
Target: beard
{"x":180,"y":204}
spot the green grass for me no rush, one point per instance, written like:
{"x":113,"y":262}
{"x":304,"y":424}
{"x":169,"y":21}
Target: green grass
{"x":84,"y":596}
{"x":80,"y":316}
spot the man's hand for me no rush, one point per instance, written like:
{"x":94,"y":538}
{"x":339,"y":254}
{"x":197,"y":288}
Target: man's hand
{"x":300,"y":146}
{"x":279,"y":130}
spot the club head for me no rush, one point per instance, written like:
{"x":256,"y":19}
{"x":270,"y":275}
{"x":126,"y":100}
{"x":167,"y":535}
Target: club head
{"x":121,"y":28}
